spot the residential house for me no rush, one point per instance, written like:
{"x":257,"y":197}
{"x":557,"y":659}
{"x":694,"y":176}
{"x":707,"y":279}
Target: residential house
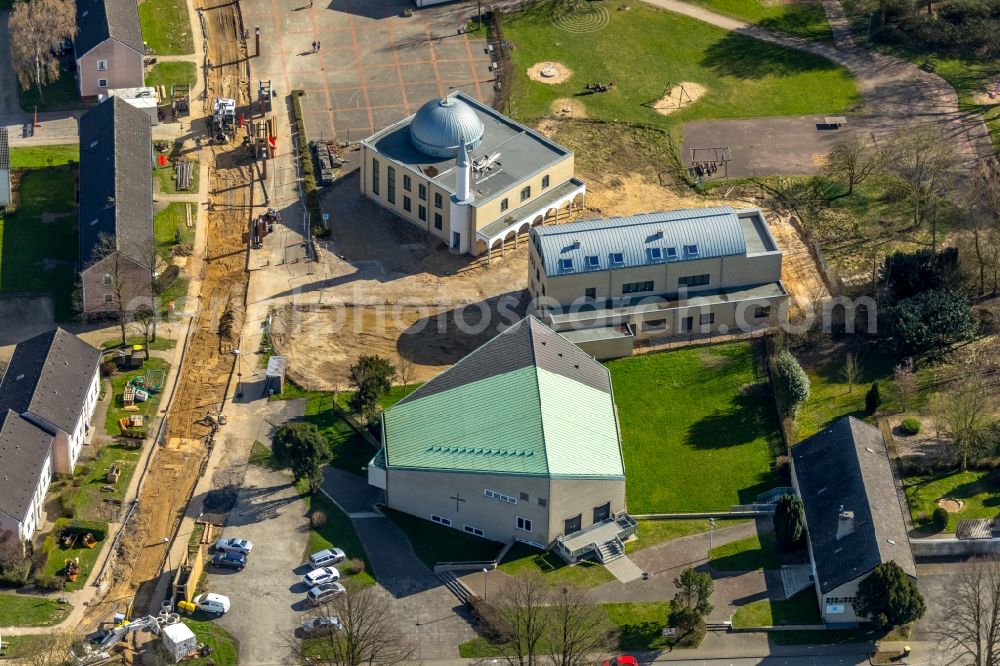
{"x":47,"y":398}
{"x":853,"y":515}
{"x":519,"y":440}
{"x":467,"y":175}
{"x":606,"y":283}
{"x":116,"y":207}
{"x":109,"y":47}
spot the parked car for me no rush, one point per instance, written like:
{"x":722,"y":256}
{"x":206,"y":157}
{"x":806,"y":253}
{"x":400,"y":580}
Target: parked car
{"x":234,"y":545}
{"x":230,"y":560}
{"x":326,"y":557}
{"x":323,"y":593}
{"x":315,"y":625}
{"x":320,"y":576}
{"x":623,"y":660}
{"x":212,"y":603}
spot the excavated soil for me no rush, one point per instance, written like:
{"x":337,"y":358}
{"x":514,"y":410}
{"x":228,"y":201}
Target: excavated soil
{"x":567,"y":107}
{"x":950,"y":505}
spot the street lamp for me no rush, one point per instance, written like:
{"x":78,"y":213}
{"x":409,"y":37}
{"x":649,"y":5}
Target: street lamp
{"x":484,"y":583}
{"x":166,"y":542}
{"x":239,"y":373}
{"x":711,"y":536}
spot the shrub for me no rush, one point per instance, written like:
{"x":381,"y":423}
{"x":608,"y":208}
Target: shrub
{"x":353,"y":566}
{"x":491,"y":623}
{"x":873,"y":399}
{"x":910,"y":426}
{"x":930,"y":322}
{"x":939,"y":519}
{"x":108,"y":368}
{"x":166,"y":278}
{"x":317,"y":518}
{"x":50,"y":582}
{"x":66,"y":498}
{"x":15,"y":563}
{"x":791,"y":380}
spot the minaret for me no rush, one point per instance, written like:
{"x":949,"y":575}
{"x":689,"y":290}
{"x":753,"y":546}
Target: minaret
{"x":462,"y":171}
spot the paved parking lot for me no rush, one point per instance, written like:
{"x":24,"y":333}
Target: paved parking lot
{"x":374,"y":65}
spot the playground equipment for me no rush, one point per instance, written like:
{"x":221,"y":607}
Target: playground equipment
{"x":72,"y":569}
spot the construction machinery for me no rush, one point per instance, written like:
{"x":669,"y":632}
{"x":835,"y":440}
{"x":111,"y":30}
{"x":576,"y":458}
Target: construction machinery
{"x":224,"y":120}
{"x":100,"y":650}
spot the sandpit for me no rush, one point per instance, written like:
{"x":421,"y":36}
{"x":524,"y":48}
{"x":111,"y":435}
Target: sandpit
{"x":567,"y":107}
{"x":950,"y":505}
{"x":679,"y":96}
{"x":549,"y":71}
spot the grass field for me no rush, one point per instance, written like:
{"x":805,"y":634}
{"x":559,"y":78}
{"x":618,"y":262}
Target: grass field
{"x":88,"y":500}
{"x":654,"y":532}
{"x":59,"y":95}
{"x":225,"y":648}
{"x":116,"y":410}
{"x":349,"y":450}
{"x":744,"y":77}
{"x":170,"y":227}
{"x":435,"y":543}
{"x":166,"y":177}
{"x":38,"y":157}
{"x":167,"y":73}
{"x":36,"y":256}
{"x":22,"y":610}
{"x":161,"y":343}
{"x":166,"y":27}
{"x":830,"y":398}
{"x":756,"y":552}
{"x":57,"y":557}
{"x":696,"y":428}
{"x":337,"y":532}
{"x":801,"y":19}
{"x":980,"y":495}
{"x":800,"y":609}
{"x":522,"y":559}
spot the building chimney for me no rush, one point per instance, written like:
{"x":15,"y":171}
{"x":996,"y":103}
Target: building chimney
{"x":845,"y":522}
{"x":462,"y":172}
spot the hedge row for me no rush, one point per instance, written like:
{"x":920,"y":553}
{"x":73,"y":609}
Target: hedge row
{"x":306,"y":161}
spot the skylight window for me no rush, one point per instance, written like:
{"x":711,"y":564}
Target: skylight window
{"x":671,"y":253}
{"x":593,"y":261}
{"x":617,"y":258}
{"x":691,"y":250}
{"x":566,"y":265}
{"x":655,"y":253}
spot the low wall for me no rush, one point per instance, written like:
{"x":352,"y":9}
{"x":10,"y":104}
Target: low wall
{"x":783,"y":627}
{"x":953,"y":547}
{"x":705,"y":514}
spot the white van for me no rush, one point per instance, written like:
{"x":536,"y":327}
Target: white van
{"x":212,"y":603}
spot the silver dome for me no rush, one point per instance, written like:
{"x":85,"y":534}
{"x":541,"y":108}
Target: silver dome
{"x":438,"y":126}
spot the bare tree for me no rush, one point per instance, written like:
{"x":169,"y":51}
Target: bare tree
{"x":852,"y":161}
{"x":53,"y":651}
{"x":143,"y":317}
{"x":523,"y":604}
{"x":405,"y":372}
{"x":851,"y":371}
{"x":107,"y":247}
{"x":984,"y":222}
{"x":905,"y":379}
{"x":578,"y":629}
{"x":38,"y":31}
{"x":371,"y":632}
{"x":924,"y":159}
{"x":968,"y":630}
{"x":963,"y":413}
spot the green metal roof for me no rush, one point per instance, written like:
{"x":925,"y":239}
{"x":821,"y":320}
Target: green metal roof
{"x":529,"y":420}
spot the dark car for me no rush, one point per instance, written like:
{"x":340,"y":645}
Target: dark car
{"x":231,"y":560}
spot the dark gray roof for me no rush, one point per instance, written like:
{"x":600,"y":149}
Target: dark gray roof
{"x":23,"y":450}
{"x":4,"y":149}
{"x":529,"y":342}
{"x":116,"y":180}
{"x":846,"y":465}
{"x":48,"y":376}
{"x":100,"y":20}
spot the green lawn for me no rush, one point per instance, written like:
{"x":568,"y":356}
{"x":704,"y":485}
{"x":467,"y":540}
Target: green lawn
{"x":757,"y":552}
{"x":170,"y":226}
{"x":22,"y":610}
{"x":435,"y":543}
{"x":177,"y":291}
{"x":260,"y":454}
{"x":801,"y":19}
{"x":800,"y":609}
{"x":166,"y":26}
{"x":225,"y":648}
{"x":337,"y":532}
{"x":643,"y":49}
{"x":981,"y":497}
{"x":349,"y":450}
{"x":38,"y":157}
{"x":701,"y":415}
{"x":160,"y":343}
{"x":166,"y":177}
{"x":522,"y":559}
{"x":167,"y":73}
{"x":58,"y":555}
{"x":395,"y":394}
{"x":37,"y":256}
{"x":60,"y":95}
{"x":654,"y":532}
{"x":117,"y":411}
{"x":88,"y":501}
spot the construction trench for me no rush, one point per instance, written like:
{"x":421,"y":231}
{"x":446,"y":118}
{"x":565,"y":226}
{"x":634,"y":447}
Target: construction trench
{"x":182,"y":454}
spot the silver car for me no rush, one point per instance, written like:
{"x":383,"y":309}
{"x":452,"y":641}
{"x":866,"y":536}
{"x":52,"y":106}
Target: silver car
{"x":315,"y":625}
{"x":325,"y":558}
{"x":234,"y":545}
{"x":323,"y":593}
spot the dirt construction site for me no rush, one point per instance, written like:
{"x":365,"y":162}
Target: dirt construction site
{"x":214,"y":333}
{"x":383,"y":288}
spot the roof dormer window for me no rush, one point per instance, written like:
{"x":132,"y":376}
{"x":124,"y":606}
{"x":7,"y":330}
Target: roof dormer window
{"x":593,"y":261}
{"x":691,"y":250}
{"x":654,"y":253}
{"x":617,"y":259}
{"x":566,"y":265}
{"x":671,"y":253}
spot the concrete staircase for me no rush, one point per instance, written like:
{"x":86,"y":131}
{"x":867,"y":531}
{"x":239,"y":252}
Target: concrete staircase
{"x":455,"y":586}
{"x":610,"y":551}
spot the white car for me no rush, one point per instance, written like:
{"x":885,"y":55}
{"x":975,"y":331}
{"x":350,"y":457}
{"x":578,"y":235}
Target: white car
{"x":212,"y":603}
{"x":234,"y":545}
{"x":323,"y":593}
{"x":315,"y":625}
{"x":325,"y":558}
{"x":320,"y":576}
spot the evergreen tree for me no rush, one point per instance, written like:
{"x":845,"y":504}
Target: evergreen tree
{"x":790,"y":523}
{"x":889,"y":597}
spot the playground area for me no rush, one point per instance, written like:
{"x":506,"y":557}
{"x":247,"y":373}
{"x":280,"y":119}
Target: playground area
{"x":136,"y":393}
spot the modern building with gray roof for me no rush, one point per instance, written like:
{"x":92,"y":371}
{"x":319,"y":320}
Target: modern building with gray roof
{"x":116,"y":203}
{"x":48,"y":393}
{"x":519,"y":440}
{"x":109,"y":47}
{"x":606,"y":283}
{"x":853,"y":516}
{"x":507,"y":179}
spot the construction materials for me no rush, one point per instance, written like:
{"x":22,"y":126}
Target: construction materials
{"x":183,"y":173}
{"x":224,"y":120}
{"x":128,"y":397}
{"x":179,"y":641}
{"x":328,"y":159}
{"x":274,"y":382}
{"x":113,"y":473}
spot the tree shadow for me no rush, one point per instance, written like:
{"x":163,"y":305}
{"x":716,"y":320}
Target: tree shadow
{"x":746,"y":419}
{"x":744,"y":57}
